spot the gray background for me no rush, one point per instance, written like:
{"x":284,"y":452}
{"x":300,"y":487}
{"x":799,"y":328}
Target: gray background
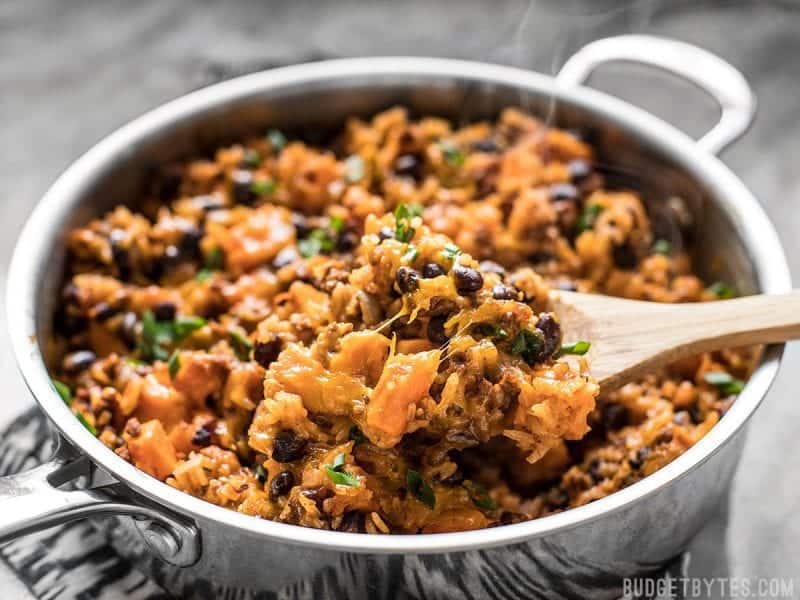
{"x":71,"y":72}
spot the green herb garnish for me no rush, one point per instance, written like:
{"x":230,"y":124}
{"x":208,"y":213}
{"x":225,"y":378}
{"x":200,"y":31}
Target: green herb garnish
{"x":357,"y":435}
{"x":452,"y":155}
{"x":215,"y":260}
{"x":479,"y":495}
{"x":204,"y":275}
{"x":276,"y":140}
{"x":724,"y":382}
{"x":588,"y":217}
{"x":722,"y":290}
{"x":528,"y":345}
{"x":421,"y":490}
{"x":662,"y":247}
{"x":63,"y":391}
{"x":174,"y":364}
{"x":403,"y":215}
{"x":251,"y":158}
{"x":578,"y":348}
{"x":92,"y":429}
{"x":450,"y":251}
{"x":411,"y":254}
{"x":157,"y":336}
{"x":490,"y":330}
{"x":261,"y":474}
{"x":263,"y":187}
{"x":354,"y":169}
{"x":321,"y":240}
{"x":242,"y":347}
{"x":338,"y":475}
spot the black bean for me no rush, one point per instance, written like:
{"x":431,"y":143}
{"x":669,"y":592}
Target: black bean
{"x":408,"y":165}
{"x":120,"y":255}
{"x":641,"y":456}
{"x":625,"y":256}
{"x":489,"y":266}
{"x":407,"y":280}
{"x":242,"y":187}
{"x":288,"y":446}
{"x":190,"y":242}
{"x":301,"y":227}
{"x":551,"y":333}
{"x":104,"y":311}
{"x":170,"y":182}
{"x":504,"y":292}
{"x":165,"y":311}
{"x":353,"y":522}
{"x":467,"y":280}
{"x":386,"y":233}
{"x":595,"y":469}
{"x":347,"y":241}
{"x":435,"y":331}
{"x":696,"y":414}
{"x":285,"y":257}
{"x":579,"y":170}
{"x":563,"y":192}
{"x":615,"y":416}
{"x":281,"y":485}
{"x":78,"y":361}
{"x":431,"y":270}
{"x":265,"y":353}
{"x":201,"y":437}
{"x":488,"y":145}
{"x":128,"y":328}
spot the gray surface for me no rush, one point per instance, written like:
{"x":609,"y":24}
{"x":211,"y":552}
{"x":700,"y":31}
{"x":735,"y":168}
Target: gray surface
{"x":71,"y":72}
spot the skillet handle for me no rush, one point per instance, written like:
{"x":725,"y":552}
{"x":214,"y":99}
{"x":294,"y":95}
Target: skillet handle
{"x":32,"y":501}
{"x":718,"y":78}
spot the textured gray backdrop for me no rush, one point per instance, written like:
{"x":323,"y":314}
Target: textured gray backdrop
{"x":72,"y":71}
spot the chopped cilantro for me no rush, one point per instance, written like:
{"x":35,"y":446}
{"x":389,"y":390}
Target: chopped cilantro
{"x":204,"y":275}
{"x":357,"y":435}
{"x":403,"y":215}
{"x":321,"y":240}
{"x":450,"y":251}
{"x":174,"y":364}
{"x":421,"y":490}
{"x":722,"y":290}
{"x":479,"y":495}
{"x":156,"y":335}
{"x":63,"y":391}
{"x":528,"y":345}
{"x":724,"y":382}
{"x":242,"y":347}
{"x":215,"y":259}
{"x":263,"y":187}
{"x":338,"y":475}
{"x":411,"y":254}
{"x":452,"y":155}
{"x":662,"y":247}
{"x":261,"y":474}
{"x":92,"y":429}
{"x":490,"y":330}
{"x":578,"y":348}
{"x":251,"y":158}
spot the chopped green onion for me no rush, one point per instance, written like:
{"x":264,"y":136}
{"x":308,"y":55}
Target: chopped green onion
{"x":354,"y":169}
{"x":452,"y":155}
{"x":588,"y":217}
{"x":479,"y":495}
{"x":263,"y":187}
{"x":578,"y":348}
{"x":662,"y":247}
{"x":411,"y":254}
{"x":276,"y":139}
{"x":528,"y":345}
{"x":338,"y":475}
{"x":722,"y":290}
{"x":174,"y":364}
{"x":421,"y":490}
{"x":242,"y":347}
{"x":261,"y":474}
{"x":450,"y":251}
{"x":724,"y":382}
{"x":357,"y":435}
{"x":63,"y":391}
{"x":92,"y":429}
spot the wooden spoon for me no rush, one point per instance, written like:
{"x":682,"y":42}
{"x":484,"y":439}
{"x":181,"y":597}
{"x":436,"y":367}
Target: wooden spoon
{"x":631,"y":337}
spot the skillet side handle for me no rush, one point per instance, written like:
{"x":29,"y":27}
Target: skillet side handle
{"x":32,"y":501}
{"x":718,"y":78}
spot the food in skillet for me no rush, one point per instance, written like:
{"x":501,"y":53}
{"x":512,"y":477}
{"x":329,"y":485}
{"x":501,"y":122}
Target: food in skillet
{"x":357,"y":337}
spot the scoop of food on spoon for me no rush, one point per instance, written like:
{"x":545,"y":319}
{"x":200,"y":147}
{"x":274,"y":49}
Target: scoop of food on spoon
{"x":630,"y":338}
